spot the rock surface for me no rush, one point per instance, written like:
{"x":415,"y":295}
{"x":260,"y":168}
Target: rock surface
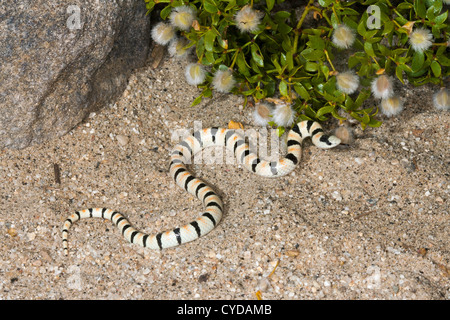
{"x":60,"y":61}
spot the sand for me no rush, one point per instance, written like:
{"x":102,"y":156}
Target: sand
{"x":364,"y":221}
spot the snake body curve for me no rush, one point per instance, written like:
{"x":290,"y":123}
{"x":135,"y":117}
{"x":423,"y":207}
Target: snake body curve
{"x":213,"y":205}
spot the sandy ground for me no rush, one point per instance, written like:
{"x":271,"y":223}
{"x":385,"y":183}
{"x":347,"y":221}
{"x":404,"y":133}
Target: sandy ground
{"x":366,"y":221}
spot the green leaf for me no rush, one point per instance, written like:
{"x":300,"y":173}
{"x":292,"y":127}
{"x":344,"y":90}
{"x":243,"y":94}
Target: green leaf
{"x":276,"y":64}
{"x":197,"y":100}
{"x":249,"y":92}
{"x":209,"y":58}
{"x":243,"y":67}
{"x":270,"y":4}
{"x":312,"y":54}
{"x":223,"y":67}
{"x":290,"y":60}
{"x":301,"y":91}
{"x":260,"y":94}
{"x":281,"y":16}
{"x":150,"y":5}
{"x":210,"y":37}
{"x":417,"y":61}
{"x":165,"y":12}
{"x":311,"y":66}
{"x":207,"y":93}
{"x":404,"y":6}
{"x":325,"y":3}
{"x":365,"y":70}
{"x":286,"y":44}
{"x":369,"y":49}
{"x":436,"y":68}
{"x":374,"y":123}
{"x":200,"y":47}
{"x":283,"y":87}
{"x":257,"y":55}
{"x":231,"y":4}
{"x":441,"y":18}
{"x":349,"y":22}
{"x":210,"y":6}
{"x":334,"y":20}
{"x":430,"y":13}
{"x":399,"y":73}
{"x":349,"y":103}
{"x":335,"y":114}
{"x":420,"y":8}
{"x":324,"y":110}
{"x":316,"y":42}
{"x":362,"y":28}
{"x":353,"y":61}
{"x":388,"y":27}
{"x":444,"y":60}
{"x":280,"y":131}
{"x":284,"y":28}
{"x":405,"y":68}
{"x":370,"y":34}
{"x":325,"y":70}
{"x":437,"y":5}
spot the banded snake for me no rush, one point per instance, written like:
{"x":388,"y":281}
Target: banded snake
{"x":213,"y":205}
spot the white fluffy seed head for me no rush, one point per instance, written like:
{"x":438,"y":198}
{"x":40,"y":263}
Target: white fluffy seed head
{"x":347,"y":82}
{"x":283,"y":115}
{"x":163,"y":33}
{"x":391,"y":106}
{"x":343,"y":36}
{"x":262,"y":114}
{"x":441,"y":99}
{"x":345,"y":134}
{"x":182,"y":17}
{"x":447,"y":1}
{"x":223,"y":81}
{"x":382,"y":87}
{"x":248,"y":19}
{"x":195,"y":74}
{"x":421,"y":39}
{"x":177,"y":48}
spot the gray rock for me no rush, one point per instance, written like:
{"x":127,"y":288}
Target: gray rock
{"x":59,"y":61}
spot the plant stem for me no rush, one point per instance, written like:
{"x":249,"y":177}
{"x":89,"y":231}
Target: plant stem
{"x":329,"y":60}
{"x":299,"y":24}
{"x":444,"y":44}
{"x":337,"y":17}
{"x":376,"y":62}
{"x":324,"y":14}
{"x":234,"y":59}
{"x":396,"y":23}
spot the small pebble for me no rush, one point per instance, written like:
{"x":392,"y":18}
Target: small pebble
{"x":263,"y":284}
{"x":37,"y":263}
{"x":439,"y":199}
{"x":12,"y":232}
{"x":292,"y":253}
{"x":123,"y":140}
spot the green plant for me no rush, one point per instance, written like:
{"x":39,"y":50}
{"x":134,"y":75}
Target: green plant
{"x":273,"y":52}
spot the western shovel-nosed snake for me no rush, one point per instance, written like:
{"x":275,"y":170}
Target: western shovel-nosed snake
{"x":212,"y":215}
